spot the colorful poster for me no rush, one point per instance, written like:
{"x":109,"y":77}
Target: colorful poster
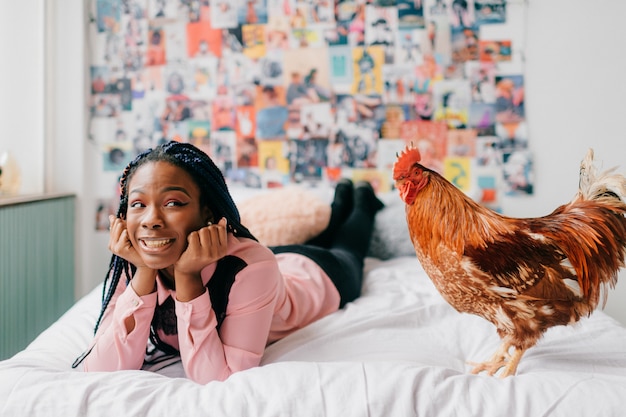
{"x":367,"y":64}
{"x":253,"y":40}
{"x":273,"y":163}
{"x":108,"y":14}
{"x":223,"y":144}
{"x":307,"y":158}
{"x":495,"y":51}
{"x":461,"y":143}
{"x":224,"y":15}
{"x":451,"y":100}
{"x":410,"y":13}
{"x":457,"y":170}
{"x":510,"y":99}
{"x":324,"y":89}
{"x":490,"y":11}
{"x":341,"y":69}
{"x":388,"y":149}
{"x":518,"y":172}
{"x":381,"y":25}
{"x":430,"y":138}
{"x":203,"y":40}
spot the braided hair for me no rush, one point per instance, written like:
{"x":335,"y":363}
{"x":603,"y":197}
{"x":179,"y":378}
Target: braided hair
{"x":213,"y":194}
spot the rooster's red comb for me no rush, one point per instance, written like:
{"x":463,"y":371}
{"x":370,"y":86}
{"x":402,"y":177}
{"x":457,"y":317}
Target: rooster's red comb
{"x":406,"y":159}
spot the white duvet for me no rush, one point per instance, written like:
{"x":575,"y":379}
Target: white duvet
{"x":399,"y":350}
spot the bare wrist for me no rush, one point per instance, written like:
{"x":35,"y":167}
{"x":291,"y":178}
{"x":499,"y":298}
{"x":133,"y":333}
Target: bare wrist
{"x":144,"y":281}
{"x":188,"y":286}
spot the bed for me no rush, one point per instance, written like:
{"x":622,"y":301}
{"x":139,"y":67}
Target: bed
{"x":398,"y":350}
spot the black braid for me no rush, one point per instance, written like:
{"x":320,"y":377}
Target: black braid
{"x":213,"y":194}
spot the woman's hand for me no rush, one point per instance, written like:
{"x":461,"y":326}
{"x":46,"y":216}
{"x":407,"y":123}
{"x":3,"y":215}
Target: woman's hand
{"x":120,"y":244}
{"x":204,"y":247}
{"x":144,"y":280}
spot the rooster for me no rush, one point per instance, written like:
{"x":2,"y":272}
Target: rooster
{"x":522,"y":275}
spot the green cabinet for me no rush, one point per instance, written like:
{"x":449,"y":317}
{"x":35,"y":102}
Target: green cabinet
{"x":37,"y":246}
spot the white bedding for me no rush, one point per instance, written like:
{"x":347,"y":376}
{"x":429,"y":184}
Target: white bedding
{"x":399,"y":350}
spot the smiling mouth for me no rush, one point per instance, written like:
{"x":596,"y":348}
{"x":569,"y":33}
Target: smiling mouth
{"x":156,"y":243}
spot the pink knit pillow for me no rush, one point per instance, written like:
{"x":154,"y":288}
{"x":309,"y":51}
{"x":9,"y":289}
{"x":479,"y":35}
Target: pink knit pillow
{"x":284,"y":216}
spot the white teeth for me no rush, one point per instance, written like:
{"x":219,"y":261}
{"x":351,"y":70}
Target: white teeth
{"x":156,"y":243}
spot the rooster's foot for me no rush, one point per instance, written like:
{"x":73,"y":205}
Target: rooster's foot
{"x":501,"y":359}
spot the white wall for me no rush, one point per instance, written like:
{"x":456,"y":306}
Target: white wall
{"x":70,"y":155}
{"x":575,"y":99}
{"x":22,"y":89}
{"x":575,"y":90}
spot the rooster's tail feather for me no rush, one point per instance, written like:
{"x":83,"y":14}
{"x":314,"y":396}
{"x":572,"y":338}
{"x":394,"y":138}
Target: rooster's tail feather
{"x":607,"y":188}
{"x":596,"y":186}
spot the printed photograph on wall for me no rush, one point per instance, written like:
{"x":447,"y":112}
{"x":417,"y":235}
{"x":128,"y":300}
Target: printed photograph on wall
{"x":310,"y":91}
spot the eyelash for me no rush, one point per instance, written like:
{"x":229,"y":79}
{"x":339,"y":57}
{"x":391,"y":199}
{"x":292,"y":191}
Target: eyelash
{"x":138,"y":204}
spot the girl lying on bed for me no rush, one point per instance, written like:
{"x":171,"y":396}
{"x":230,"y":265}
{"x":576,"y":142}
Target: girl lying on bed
{"x":186,"y":277}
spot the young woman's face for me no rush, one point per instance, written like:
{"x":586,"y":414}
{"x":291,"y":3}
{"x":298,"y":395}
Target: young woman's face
{"x":163,"y":208}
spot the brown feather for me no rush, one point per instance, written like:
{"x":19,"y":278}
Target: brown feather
{"x":523,"y":275}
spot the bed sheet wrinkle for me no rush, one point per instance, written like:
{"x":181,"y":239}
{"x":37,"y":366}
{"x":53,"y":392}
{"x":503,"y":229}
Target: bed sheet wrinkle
{"x":7,"y":391}
{"x":396,"y":336}
{"x":379,"y":326}
{"x":580,"y":387}
{"x":399,"y":350}
{"x":291,"y":388}
{"x":342,"y":391}
{"x":403,"y":279}
{"x":562,"y":397}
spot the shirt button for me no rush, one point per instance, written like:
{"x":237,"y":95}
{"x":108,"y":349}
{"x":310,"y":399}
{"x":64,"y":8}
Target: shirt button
{"x":135,"y":303}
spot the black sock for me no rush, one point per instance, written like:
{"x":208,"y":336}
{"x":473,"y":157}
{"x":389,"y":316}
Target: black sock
{"x":341,"y":207}
{"x":365,"y":197}
{"x":355,"y":234}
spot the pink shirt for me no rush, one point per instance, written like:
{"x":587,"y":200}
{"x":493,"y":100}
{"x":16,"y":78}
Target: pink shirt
{"x":271,"y":297}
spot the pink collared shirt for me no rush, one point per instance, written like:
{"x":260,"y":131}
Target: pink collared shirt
{"x":271,"y":297}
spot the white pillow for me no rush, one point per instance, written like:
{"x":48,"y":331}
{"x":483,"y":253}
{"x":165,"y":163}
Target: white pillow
{"x":390,"y":238}
{"x":284,"y":216}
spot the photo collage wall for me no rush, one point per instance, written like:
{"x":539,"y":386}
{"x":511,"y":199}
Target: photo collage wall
{"x":283,"y":92}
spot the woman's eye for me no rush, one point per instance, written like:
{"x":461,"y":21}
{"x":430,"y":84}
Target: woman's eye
{"x":136,"y":204}
{"x":173,"y":204}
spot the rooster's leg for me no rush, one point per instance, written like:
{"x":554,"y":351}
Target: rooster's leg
{"x":511,"y":366}
{"x":500,"y":359}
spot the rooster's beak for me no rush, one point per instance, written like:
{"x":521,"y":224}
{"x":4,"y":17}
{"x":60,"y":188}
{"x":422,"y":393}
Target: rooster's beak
{"x":407,"y":192}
